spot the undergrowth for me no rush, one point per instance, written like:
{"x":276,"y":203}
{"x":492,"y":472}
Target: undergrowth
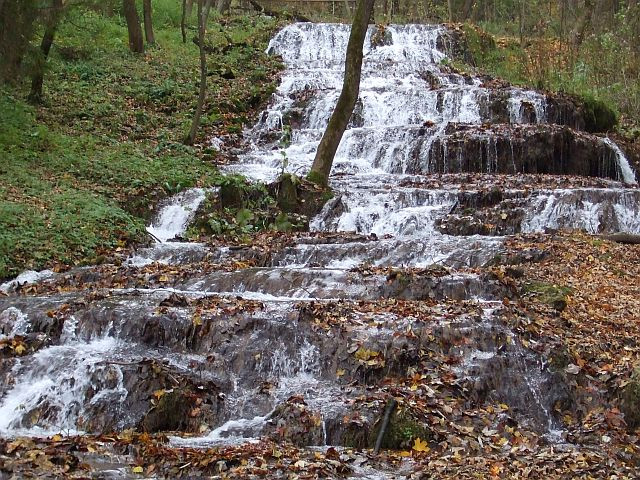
{"x":81,"y":174}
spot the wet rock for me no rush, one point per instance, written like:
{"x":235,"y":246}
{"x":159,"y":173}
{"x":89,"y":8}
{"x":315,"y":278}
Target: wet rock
{"x":294,"y":422}
{"x":523,"y":149}
{"x":630,"y":401}
{"x":402,"y":431}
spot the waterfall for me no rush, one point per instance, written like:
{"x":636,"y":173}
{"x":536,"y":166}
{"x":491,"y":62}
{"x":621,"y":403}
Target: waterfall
{"x":626,"y":173}
{"x":174,"y":216}
{"x":243,"y":329}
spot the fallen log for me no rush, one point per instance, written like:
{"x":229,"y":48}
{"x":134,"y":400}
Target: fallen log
{"x":621,"y":237}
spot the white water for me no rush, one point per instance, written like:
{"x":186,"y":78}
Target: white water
{"x":51,"y":386}
{"x":401,"y":117}
{"x":173,"y":218}
{"x":625,"y":171}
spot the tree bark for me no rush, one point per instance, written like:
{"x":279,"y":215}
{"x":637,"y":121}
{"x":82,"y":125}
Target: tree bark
{"x":450,"y":9}
{"x":466,"y":10}
{"x":51,"y":25}
{"x":183,"y":21}
{"x":323,"y":160}
{"x":148,"y":22}
{"x":136,"y":42}
{"x":189,"y":8}
{"x":583,"y":22}
{"x":223,"y":5}
{"x":202,"y":24}
{"x":17,"y":22}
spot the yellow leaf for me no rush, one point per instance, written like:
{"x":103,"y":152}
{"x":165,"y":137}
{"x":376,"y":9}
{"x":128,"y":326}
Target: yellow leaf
{"x":420,"y":446}
{"x":340,"y":372}
{"x":56,"y":438}
{"x":159,"y":393}
{"x":163,"y":278}
{"x":197,"y":320}
{"x":138,"y":469}
{"x":414,"y":387}
{"x":405,"y":453}
{"x":20,"y":348}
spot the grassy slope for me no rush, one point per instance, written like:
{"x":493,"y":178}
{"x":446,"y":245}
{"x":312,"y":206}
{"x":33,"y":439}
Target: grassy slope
{"x":79,"y":174}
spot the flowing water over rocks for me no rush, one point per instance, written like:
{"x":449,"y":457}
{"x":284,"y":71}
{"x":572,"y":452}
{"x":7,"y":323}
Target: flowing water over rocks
{"x":307,"y":341}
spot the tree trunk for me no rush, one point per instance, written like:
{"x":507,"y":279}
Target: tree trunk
{"x":466,"y":10}
{"x":323,"y":161}
{"x":583,"y":22}
{"x":136,"y":42}
{"x":202,"y":23}
{"x":51,"y":24}
{"x":223,"y":5}
{"x":189,"y":8}
{"x":17,"y":22}
{"x":148,"y":22}
{"x":183,"y":21}
{"x":450,"y":9}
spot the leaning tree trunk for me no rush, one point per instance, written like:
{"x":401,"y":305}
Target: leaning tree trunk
{"x":51,"y":24}
{"x":321,"y":167}
{"x":136,"y":42}
{"x":148,"y":22}
{"x":202,"y":23}
{"x":582,"y":24}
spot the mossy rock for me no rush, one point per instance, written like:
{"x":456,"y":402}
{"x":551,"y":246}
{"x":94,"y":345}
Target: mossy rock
{"x":598,"y":116}
{"x":231,"y":195}
{"x":631,"y":401}
{"x":170,"y":413}
{"x":553,"y":295}
{"x":478,"y":43}
{"x":402,"y":431}
{"x":298,"y":195}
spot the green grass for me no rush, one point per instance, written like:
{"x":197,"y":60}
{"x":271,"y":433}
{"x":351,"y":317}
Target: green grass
{"x":80,"y":174}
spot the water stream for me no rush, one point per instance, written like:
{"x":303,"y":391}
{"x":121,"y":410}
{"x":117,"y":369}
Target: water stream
{"x":405,"y":132}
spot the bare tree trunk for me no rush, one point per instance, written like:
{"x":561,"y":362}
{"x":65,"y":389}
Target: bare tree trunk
{"x":583,"y":22}
{"x":202,"y":25}
{"x":51,"y":22}
{"x":323,"y":161}
{"x":189,"y":8}
{"x":136,"y":42}
{"x":148,"y":22}
{"x":223,"y":5}
{"x":521,"y":22}
{"x":450,"y":9}
{"x":183,"y":21}
{"x":17,"y":22}
{"x":466,"y":10}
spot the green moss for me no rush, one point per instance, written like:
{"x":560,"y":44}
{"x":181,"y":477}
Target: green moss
{"x":402,"y":431}
{"x":317,"y":178}
{"x":171,"y":413}
{"x":599,"y":117}
{"x":554,"y":295}
{"x":87,"y":167}
{"x":288,"y":193}
{"x":631,"y":400}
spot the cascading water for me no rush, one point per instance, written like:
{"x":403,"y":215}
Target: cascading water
{"x":250,"y":343}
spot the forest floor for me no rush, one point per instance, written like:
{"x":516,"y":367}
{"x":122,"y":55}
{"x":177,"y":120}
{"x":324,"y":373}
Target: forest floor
{"x":574,"y":299}
{"x":82,"y":173}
